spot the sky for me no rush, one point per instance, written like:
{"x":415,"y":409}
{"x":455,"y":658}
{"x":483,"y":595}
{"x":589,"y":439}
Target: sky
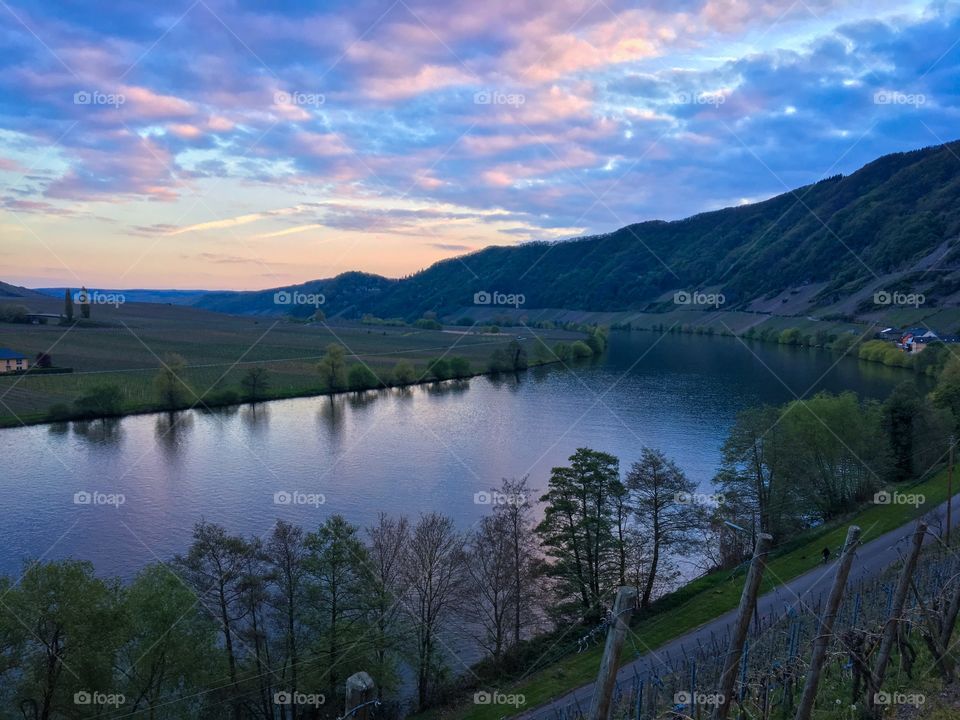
{"x":237,"y":144}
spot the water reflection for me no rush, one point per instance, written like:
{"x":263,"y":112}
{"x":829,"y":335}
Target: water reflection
{"x":331,"y":414}
{"x":171,"y":430}
{"x":105,"y":431}
{"x":256,"y":416}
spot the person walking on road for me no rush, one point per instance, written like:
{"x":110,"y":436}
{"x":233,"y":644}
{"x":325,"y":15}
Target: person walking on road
{"x":826,"y":555}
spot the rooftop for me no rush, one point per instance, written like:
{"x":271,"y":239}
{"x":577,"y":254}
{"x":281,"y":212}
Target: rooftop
{"x":7,"y":354}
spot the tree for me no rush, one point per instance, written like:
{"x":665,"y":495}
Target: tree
{"x":361,"y":377}
{"x":255,"y":383}
{"x":403,"y":373}
{"x":168,"y":383}
{"x":916,"y":433}
{"x":660,"y":494}
{"x":214,"y":567}
{"x":285,"y":554}
{"x":84,"y":303}
{"x":577,"y":530}
{"x":43,"y":360}
{"x":68,"y":305}
{"x":100,"y":401}
{"x":335,"y":562}
{"x":63,"y":625}
{"x":434,"y":573}
{"x":518,"y":518}
{"x":752,"y":475}
{"x":333,"y":367}
{"x":387,"y":543}
{"x":168,"y":647}
{"x":490,"y":565}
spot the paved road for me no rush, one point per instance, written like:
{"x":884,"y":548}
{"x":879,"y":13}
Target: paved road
{"x":872,"y":558}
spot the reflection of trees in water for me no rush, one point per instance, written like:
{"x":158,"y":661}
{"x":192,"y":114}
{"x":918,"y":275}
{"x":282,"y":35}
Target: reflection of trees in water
{"x":171,"y":429}
{"x":331,"y":414}
{"x":363,"y":398}
{"x":220,"y":410}
{"x":58,"y":428}
{"x":256,"y":416}
{"x":105,"y":431}
{"x":508,"y":380}
{"x":448,"y":387}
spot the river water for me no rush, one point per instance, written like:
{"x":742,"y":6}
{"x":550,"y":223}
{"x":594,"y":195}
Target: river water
{"x":427,"y":448}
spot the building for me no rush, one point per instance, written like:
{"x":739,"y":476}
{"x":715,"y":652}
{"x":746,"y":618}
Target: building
{"x":11,"y":361}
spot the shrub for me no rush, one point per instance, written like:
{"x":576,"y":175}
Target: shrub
{"x":580,"y":349}
{"x":360,"y":377}
{"x":404,"y":373}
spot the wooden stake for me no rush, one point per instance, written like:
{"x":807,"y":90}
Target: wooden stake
{"x":607,"y":677}
{"x":896,"y":610}
{"x":748,"y":603}
{"x":825,"y":632}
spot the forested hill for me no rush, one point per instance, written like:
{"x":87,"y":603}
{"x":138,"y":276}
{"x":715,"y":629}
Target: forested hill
{"x":840,"y":234}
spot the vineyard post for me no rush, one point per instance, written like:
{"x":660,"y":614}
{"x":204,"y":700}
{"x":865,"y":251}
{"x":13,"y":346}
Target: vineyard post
{"x":748,"y":602}
{"x":825,"y":632}
{"x":607,"y":677}
{"x":950,"y":491}
{"x":896,"y":610}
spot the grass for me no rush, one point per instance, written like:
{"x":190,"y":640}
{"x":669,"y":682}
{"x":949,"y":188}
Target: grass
{"x":127,"y":347}
{"x":709,"y":597}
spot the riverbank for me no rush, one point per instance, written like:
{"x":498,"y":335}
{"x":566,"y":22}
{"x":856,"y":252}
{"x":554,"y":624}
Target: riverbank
{"x":128,"y":349}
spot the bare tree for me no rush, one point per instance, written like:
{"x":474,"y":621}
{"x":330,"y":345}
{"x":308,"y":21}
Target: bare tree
{"x":518,"y":518}
{"x":386,"y":543}
{"x":436,"y":577}
{"x":492,"y":594}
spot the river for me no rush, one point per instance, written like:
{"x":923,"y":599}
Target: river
{"x":432,"y":447}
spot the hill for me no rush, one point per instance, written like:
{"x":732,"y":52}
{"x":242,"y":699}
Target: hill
{"x":893,"y":224}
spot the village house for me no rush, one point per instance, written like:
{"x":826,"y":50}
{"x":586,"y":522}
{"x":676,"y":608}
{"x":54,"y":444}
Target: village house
{"x":11,"y":361}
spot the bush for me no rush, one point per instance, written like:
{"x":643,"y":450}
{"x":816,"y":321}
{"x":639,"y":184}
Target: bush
{"x":562,"y":351}
{"x":428,"y":324}
{"x":218,"y":398}
{"x":439,"y":369}
{"x":404,"y":373}
{"x":360,"y":377}
{"x":59,"y":412}
{"x":460,"y":367}
{"x":101,"y":401}
{"x":580,"y":349}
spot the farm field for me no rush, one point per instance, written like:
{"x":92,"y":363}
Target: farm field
{"x":128,"y":343}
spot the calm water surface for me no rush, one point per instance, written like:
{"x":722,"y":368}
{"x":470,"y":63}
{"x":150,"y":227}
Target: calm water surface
{"x":429,"y":448}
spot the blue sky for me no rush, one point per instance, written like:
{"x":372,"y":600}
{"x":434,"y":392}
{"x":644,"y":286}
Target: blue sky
{"x":248,"y":145}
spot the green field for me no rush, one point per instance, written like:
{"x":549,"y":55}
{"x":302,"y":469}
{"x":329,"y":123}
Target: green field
{"x":127,"y":347}
{"x":705,"y":599}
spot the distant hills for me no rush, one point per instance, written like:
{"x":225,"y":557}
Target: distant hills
{"x":829,"y":246}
